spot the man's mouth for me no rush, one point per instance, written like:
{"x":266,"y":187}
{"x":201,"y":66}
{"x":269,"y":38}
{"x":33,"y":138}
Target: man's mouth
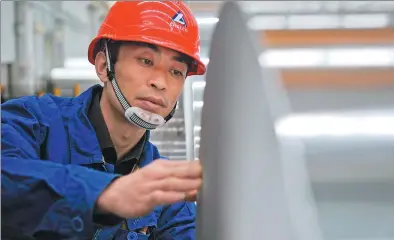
{"x":151,"y":104}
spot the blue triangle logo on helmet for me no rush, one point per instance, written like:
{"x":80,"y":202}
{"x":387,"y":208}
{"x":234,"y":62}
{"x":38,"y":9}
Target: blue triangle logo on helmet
{"x":178,"y":17}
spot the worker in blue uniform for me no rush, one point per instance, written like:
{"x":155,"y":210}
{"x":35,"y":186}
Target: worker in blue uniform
{"x":83,"y":167}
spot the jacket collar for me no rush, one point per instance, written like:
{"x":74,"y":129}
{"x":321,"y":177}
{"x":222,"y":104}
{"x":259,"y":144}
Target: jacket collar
{"x":83,"y":141}
{"x":82,"y":136}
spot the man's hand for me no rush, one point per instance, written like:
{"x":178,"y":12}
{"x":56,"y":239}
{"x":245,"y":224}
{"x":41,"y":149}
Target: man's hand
{"x":161,"y":182}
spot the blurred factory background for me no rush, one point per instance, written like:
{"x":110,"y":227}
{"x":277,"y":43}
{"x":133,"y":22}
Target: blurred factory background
{"x":335,"y":58}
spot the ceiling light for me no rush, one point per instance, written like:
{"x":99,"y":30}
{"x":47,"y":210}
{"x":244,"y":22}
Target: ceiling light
{"x":292,"y":58}
{"x":335,"y":125}
{"x":207,"y":20}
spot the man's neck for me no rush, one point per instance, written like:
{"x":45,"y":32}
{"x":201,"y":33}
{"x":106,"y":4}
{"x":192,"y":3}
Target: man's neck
{"x":124,"y":135}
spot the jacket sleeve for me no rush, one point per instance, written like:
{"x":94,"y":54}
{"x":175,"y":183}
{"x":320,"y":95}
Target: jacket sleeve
{"x":177,"y":221}
{"x":39,"y":198}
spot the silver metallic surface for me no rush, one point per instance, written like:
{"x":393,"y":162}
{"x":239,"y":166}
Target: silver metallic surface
{"x":245,"y":194}
{"x":188,"y":118}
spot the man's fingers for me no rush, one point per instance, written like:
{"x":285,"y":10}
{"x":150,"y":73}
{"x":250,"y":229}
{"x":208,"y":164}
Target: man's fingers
{"x":176,"y":184}
{"x":168,"y":182}
{"x":191,"y":196}
{"x":162,"y":198}
{"x":188,"y":170}
{"x":168,"y":162}
{"x":178,"y":169}
{"x":174,"y":163}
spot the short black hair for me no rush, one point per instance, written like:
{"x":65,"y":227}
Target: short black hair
{"x":114,"y":46}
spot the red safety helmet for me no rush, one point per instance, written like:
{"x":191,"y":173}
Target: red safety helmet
{"x":169,"y":24}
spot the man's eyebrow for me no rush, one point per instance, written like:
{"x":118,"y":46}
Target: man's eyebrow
{"x":153,"y":47}
{"x":148,"y":45}
{"x":181,"y":59}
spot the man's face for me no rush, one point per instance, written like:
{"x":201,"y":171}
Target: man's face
{"x":149,"y":77}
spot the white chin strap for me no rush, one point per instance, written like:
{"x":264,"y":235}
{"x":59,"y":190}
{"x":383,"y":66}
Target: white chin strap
{"x":137,"y":116}
{"x":143,"y":118}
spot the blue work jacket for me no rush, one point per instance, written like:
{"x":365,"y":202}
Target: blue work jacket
{"x":48,"y":186}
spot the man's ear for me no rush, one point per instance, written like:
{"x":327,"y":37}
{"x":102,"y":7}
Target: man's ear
{"x":100,"y":64}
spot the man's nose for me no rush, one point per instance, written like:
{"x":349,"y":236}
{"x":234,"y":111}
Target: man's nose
{"x":158,"y":80}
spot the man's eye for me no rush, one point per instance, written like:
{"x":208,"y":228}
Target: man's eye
{"x":146,"y":61}
{"x":177,"y":73}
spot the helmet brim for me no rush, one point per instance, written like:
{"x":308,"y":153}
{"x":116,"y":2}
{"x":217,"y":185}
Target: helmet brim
{"x":200,"y":70}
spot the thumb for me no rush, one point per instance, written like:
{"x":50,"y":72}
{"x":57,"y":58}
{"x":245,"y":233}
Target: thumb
{"x":191,"y":196}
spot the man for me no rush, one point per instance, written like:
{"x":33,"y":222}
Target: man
{"x":69,"y":164}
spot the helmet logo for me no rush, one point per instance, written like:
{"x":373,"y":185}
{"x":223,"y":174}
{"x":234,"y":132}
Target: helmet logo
{"x":178,"y":17}
{"x":178,"y":22}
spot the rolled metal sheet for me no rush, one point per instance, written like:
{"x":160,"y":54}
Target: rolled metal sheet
{"x":245,"y":193}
